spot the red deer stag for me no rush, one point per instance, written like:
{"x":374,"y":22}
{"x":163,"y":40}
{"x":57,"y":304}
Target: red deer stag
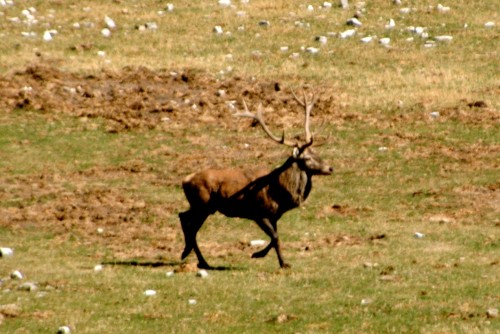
{"x":258,"y":195}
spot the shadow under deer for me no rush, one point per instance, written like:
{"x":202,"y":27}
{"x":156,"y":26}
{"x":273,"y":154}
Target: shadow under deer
{"x":254,"y":194}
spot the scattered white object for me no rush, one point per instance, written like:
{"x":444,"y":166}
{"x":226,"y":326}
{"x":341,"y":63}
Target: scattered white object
{"x":312,"y":50}
{"x":385,"y":41}
{"x":344,"y":4}
{"x":170,"y":273}
{"x":224,"y":3}
{"x":100,"y":230}
{"x":98,"y":268}
{"x":391,"y":24}
{"x":257,"y":243}
{"x":443,"y":9}
{"x":405,"y":10}
{"x":444,"y":38}
{"x":102,"y":54}
{"x":110,"y":23}
{"x":28,"y":286}
{"x":347,"y":33}
{"x":419,"y":30}
{"x":429,"y":44}
{"x":310,"y":8}
{"x":47,"y":36}
{"x":367,"y":39}
{"x":202,"y":273}
{"x":366,"y":301}
{"x":63,"y":330}
{"x":149,"y":293}
{"x":76,"y":25}
{"x":192,"y":301}
{"x":396,"y":2}
{"x":492,"y":313}
{"x":354,"y":22}
{"x":284,"y":48}
{"x":419,"y":235}
{"x":16,"y":274}
{"x":295,"y":55}
{"x":435,"y":114}
{"x":170,"y":7}
{"x":489,"y":24}
{"x":6,"y":252}
{"x":370,"y":265}
{"x":327,"y":4}
{"x":106,"y":32}
{"x":218,"y":30}
{"x":382,"y":149}
{"x":321,"y":39}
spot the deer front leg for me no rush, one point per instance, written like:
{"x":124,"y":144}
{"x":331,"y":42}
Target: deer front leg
{"x":271,"y":230}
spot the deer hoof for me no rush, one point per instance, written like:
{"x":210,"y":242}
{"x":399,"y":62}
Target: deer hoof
{"x":285,"y":266}
{"x":204,"y":265}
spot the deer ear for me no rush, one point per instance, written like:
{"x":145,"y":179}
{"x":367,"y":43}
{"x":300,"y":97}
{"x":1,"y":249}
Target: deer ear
{"x":296,"y":152}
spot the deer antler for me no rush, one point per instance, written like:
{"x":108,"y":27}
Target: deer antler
{"x":307,"y":108}
{"x":260,"y":120}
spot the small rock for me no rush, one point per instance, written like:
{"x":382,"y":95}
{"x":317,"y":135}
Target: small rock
{"x":149,"y":293}
{"x":444,"y":38}
{"x":390,"y":25}
{"x":492,"y":313}
{"x":106,"y":32}
{"x":264,"y":23}
{"x":6,"y":252}
{"x":344,"y":4}
{"x":347,"y":33}
{"x":47,"y":36}
{"x":170,"y":273}
{"x":64,"y":330}
{"x":419,"y":235}
{"x":382,"y":149}
{"x":28,"y":286}
{"x":321,"y":39}
{"x":405,"y":10}
{"x":354,"y":22}
{"x":327,"y":4}
{"x":98,"y":268}
{"x":367,"y":39}
{"x":257,"y":243}
{"x":170,"y":7}
{"x":224,"y":3}
{"x":109,"y":22}
{"x":443,"y":9}
{"x":312,"y":50}
{"x":370,"y":265}
{"x":16,"y":274}
{"x":489,"y":24}
{"x":192,"y":301}
{"x":202,"y":273}
{"x":218,"y":30}
{"x":385,"y":41}
{"x":366,"y":301}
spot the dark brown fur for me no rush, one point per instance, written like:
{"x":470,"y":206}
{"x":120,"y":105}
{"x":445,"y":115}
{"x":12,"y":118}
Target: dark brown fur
{"x":253,"y":194}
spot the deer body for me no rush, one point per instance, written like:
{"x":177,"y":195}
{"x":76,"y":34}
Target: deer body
{"x":257,"y":195}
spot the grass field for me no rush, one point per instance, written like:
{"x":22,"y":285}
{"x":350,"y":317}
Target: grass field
{"x":97,"y":132}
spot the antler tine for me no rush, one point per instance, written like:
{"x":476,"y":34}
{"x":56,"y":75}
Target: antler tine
{"x":258,"y":117}
{"x":307,"y":108}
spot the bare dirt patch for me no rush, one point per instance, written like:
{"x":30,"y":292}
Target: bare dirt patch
{"x":138,"y":99}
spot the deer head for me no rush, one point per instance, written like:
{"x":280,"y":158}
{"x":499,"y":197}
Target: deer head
{"x":302,"y":153}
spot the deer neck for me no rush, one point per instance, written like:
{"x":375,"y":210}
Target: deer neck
{"x":295,"y":183}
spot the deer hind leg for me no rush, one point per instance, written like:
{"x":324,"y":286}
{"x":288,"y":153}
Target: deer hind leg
{"x":271,"y":230}
{"x":191,"y":223}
